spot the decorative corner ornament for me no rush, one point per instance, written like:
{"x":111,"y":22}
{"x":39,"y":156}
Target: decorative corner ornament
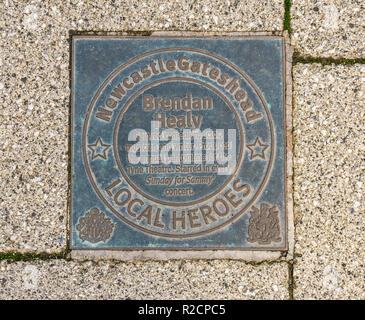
{"x":95,"y":226}
{"x":264,"y":226}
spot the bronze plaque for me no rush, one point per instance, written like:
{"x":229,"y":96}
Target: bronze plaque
{"x":178,"y":143}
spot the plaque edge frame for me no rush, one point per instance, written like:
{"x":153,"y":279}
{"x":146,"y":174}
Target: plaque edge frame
{"x":246,"y":254}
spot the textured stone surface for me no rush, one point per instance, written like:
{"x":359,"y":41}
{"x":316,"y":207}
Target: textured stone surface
{"x":58,"y":279}
{"x":34,"y":95}
{"x":329,"y":28}
{"x":328,"y":137}
{"x":329,"y":166}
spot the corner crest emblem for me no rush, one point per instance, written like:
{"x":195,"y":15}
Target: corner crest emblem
{"x":264,"y":226}
{"x":95,"y":226}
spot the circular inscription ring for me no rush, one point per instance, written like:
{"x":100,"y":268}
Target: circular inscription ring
{"x":154,"y":101}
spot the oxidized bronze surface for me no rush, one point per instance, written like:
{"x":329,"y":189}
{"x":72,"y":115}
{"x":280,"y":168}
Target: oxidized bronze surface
{"x":178,"y":143}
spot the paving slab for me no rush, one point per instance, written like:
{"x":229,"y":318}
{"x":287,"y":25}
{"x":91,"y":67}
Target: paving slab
{"x":60,"y":279}
{"x":328,"y":28}
{"x":329,"y":163}
{"x":34,"y":95}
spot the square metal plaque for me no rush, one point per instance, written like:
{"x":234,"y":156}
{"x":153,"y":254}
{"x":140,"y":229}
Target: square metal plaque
{"x":179,"y":142}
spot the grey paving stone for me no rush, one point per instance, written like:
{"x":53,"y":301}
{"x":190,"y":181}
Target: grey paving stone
{"x":329,"y":166}
{"x":328,"y":28}
{"x":34,"y":95}
{"x":59,"y":279}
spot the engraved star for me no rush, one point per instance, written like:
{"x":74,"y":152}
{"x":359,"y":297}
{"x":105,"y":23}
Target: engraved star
{"x":99,"y":149}
{"x":257,"y":149}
